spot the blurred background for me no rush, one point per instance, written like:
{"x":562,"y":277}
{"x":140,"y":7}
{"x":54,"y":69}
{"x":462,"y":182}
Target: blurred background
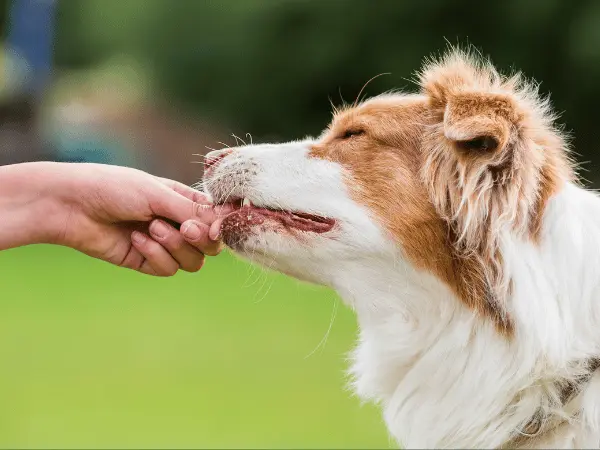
{"x":93,"y":356}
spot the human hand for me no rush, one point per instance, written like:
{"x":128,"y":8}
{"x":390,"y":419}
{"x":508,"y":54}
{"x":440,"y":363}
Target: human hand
{"x":114,"y":214}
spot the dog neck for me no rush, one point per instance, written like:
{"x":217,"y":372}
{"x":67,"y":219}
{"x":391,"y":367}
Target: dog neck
{"x":447,"y":378}
{"x":421,"y":354}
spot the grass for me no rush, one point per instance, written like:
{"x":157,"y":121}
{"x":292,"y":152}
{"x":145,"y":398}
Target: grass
{"x":93,"y":356}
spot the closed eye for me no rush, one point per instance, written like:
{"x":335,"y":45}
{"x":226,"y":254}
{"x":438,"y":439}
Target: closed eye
{"x":351,"y":133}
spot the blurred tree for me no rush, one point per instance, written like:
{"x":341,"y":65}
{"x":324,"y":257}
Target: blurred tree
{"x":3,"y":16}
{"x":26,"y":63}
{"x":270,"y":66}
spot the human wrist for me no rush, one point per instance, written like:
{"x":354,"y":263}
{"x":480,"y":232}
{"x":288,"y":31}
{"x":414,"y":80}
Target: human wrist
{"x":33,"y":204}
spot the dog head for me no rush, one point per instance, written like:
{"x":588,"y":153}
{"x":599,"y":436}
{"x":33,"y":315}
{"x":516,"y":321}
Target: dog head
{"x":433,"y":178}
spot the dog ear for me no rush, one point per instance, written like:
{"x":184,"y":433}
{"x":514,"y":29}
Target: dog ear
{"x":479,"y":124}
{"x":492,"y":158}
{"x":484,"y":146}
{"x":472,"y":104}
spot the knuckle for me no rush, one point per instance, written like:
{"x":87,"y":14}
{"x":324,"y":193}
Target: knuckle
{"x":196,"y":266}
{"x":130,"y":265}
{"x":147,"y":269}
{"x":162,"y":272}
{"x":167,"y":269}
{"x":212,"y":249}
{"x":170,"y":271}
{"x":131,"y":260}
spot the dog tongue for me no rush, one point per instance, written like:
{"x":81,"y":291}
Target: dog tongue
{"x":307,"y":222}
{"x":298,"y":221}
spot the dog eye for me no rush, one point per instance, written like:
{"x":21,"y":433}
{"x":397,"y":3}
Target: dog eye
{"x":351,"y":133}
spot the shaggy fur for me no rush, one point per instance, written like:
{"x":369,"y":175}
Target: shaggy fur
{"x":464,"y":245}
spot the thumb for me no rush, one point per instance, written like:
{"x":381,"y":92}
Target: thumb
{"x":168,"y":204}
{"x":171,"y":205}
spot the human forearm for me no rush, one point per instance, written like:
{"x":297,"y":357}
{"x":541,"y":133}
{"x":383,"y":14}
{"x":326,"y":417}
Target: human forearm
{"x":30,"y":209}
{"x":110,"y":213}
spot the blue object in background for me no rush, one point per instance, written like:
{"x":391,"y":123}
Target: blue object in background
{"x":31,"y":37}
{"x":82,"y":145}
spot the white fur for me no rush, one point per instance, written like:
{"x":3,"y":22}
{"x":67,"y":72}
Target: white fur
{"x":445,"y":378}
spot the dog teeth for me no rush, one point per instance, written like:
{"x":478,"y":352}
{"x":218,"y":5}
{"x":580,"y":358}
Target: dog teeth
{"x":246,"y":202}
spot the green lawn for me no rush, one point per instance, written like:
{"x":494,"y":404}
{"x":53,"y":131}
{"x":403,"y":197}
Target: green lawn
{"x":97,"y":356}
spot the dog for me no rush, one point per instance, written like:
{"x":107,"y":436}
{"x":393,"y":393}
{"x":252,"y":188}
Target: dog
{"x":452,"y":221}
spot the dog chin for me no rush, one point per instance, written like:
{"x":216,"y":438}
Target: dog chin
{"x":276,"y":252}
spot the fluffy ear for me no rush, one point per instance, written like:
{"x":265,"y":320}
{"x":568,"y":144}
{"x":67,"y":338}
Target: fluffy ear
{"x":492,"y":160}
{"x":489,"y":147}
{"x":479,"y":123}
{"x":472,"y":103}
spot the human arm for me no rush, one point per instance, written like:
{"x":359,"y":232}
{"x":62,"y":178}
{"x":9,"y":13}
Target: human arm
{"x":107,"y":212}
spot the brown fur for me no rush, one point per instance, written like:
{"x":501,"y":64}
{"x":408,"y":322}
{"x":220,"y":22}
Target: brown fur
{"x":414,"y":161}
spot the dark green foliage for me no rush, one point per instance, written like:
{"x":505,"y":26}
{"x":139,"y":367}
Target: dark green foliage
{"x":269,"y":67}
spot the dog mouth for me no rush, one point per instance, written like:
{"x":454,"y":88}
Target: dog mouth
{"x":246,"y":214}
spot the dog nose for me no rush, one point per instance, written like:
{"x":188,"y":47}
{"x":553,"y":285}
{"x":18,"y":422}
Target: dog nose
{"x":212,"y":159}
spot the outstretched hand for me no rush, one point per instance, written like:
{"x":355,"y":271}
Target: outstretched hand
{"x":116,"y":214}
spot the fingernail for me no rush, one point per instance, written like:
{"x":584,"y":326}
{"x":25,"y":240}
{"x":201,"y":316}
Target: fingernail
{"x":214,"y":233}
{"x":159,"y":229}
{"x":138,"y":238}
{"x":191,"y":231}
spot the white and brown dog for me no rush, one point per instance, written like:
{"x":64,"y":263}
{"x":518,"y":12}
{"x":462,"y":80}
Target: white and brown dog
{"x":451,"y":221}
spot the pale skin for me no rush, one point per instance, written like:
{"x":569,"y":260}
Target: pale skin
{"x":110,"y":213}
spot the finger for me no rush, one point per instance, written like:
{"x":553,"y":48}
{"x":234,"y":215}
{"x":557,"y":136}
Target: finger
{"x":134,"y":259}
{"x":157,"y":261}
{"x":196,"y":233}
{"x":173,"y":206}
{"x":188,"y":257}
{"x":214,"y":233}
{"x":188,"y":192}
{"x":207,"y":214}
